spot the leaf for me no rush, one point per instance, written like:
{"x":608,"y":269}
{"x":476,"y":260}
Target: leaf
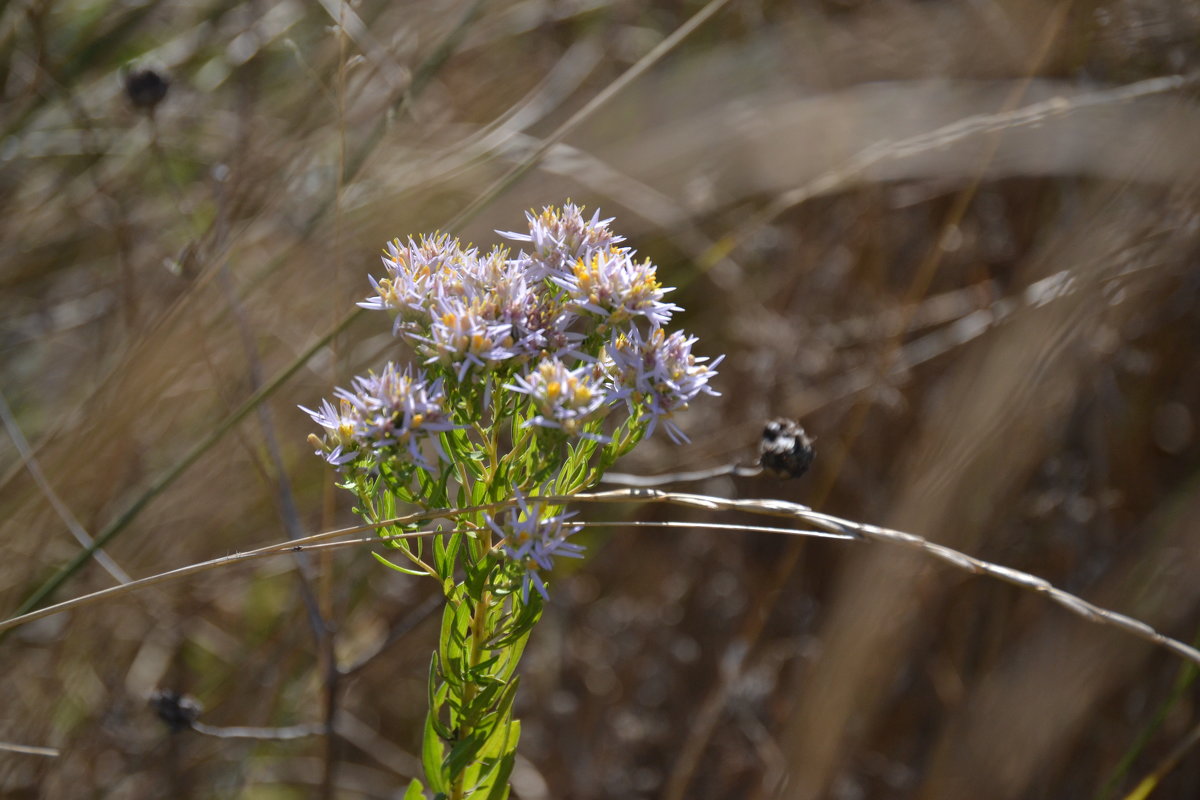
{"x":445,"y":634}
{"x":474,"y":714}
{"x":502,"y":711}
{"x":504,"y":767}
{"x":479,"y":493}
{"x":477,"y":577}
{"x":415,"y":791}
{"x":378,"y":557}
{"x":445,"y":554}
{"x":462,"y":754}
{"x":481,"y":672}
{"x":437,"y":695}
{"x":528,"y":616}
{"x":514,"y":651}
{"x":431,"y":758}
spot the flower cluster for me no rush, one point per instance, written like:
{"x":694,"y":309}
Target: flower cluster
{"x":558,"y":322}
{"x":564,"y":333}
{"x":532,"y":542}
{"x":382,"y":418}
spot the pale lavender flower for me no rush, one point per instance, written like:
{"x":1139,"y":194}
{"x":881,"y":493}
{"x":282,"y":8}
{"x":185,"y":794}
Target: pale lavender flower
{"x":534,"y":542}
{"x":339,"y":447}
{"x":566,"y":398}
{"x":390,"y":414}
{"x":489,"y":273}
{"x":660,"y":373}
{"x":420,"y":269}
{"x":611,"y":284}
{"x":539,"y":322}
{"x":463,"y":333}
{"x":558,"y":237}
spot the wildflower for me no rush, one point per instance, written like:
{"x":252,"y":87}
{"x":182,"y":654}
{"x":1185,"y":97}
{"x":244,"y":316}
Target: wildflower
{"x":541,"y":326}
{"x":423,"y":268}
{"x":464,"y":333}
{"x":389,"y":415}
{"x":538,"y":321}
{"x":339,"y":447}
{"x":610,"y":284}
{"x":560,"y":237}
{"x":564,"y":397}
{"x":483,"y":275}
{"x":534,"y":543}
{"x":660,"y":372}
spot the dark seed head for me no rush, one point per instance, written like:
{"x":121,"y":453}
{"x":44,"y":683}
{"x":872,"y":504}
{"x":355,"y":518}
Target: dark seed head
{"x":178,"y":711}
{"x":145,"y":88}
{"x":785,"y":451}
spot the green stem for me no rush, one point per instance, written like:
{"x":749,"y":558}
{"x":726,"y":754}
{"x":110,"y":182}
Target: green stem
{"x":479,"y":636}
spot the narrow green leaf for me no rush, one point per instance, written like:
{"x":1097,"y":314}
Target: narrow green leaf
{"x":477,"y":577}
{"x":447,"y":647}
{"x":434,"y":680}
{"x":504,"y":767}
{"x":513,"y":653}
{"x":522,"y":623}
{"x":446,"y":554}
{"x":482,"y":672}
{"x":505,"y":703}
{"x":415,"y":791}
{"x":378,"y":557}
{"x":462,"y":754}
{"x":479,"y":493}
{"x":431,"y":758}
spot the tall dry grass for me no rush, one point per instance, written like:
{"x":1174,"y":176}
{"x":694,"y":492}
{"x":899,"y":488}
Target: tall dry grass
{"x":958,"y":239}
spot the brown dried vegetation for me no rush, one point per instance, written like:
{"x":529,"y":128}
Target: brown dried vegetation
{"x":958,"y":239}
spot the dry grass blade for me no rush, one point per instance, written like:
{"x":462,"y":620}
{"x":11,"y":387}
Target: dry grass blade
{"x":829,"y":527}
{"x":60,"y":508}
{"x":981,"y":125}
{"x":850,"y":529}
{"x":29,"y":749}
{"x":293,"y":546}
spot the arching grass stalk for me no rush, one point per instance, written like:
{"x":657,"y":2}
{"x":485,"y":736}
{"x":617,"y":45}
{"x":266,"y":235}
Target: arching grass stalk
{"x":538,"y":370}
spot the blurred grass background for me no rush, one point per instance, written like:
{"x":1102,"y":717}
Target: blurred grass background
{"x":989,"y":317}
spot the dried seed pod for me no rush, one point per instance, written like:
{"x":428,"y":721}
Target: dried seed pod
{"x":178,"y":711}
{"x":785,"y":450}
{"x":145,"y":88}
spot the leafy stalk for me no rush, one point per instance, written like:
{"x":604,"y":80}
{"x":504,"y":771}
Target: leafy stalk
{"x":541,"y":369}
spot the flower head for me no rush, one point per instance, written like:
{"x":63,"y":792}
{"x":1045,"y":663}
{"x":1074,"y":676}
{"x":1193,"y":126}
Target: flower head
{"x":389,"y":415}
{"x":565,"y":398}
{"x":339,"y":447}
{"x":422,"y":268}
{"x":534,"y":542}
{"x":558,"y":237}
{"x":465,"y":333}
{"x":610,"y":284}
{"x":660,"y":372}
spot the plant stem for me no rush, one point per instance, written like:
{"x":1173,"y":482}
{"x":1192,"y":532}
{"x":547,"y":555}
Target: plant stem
{"x":479,"y":636}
